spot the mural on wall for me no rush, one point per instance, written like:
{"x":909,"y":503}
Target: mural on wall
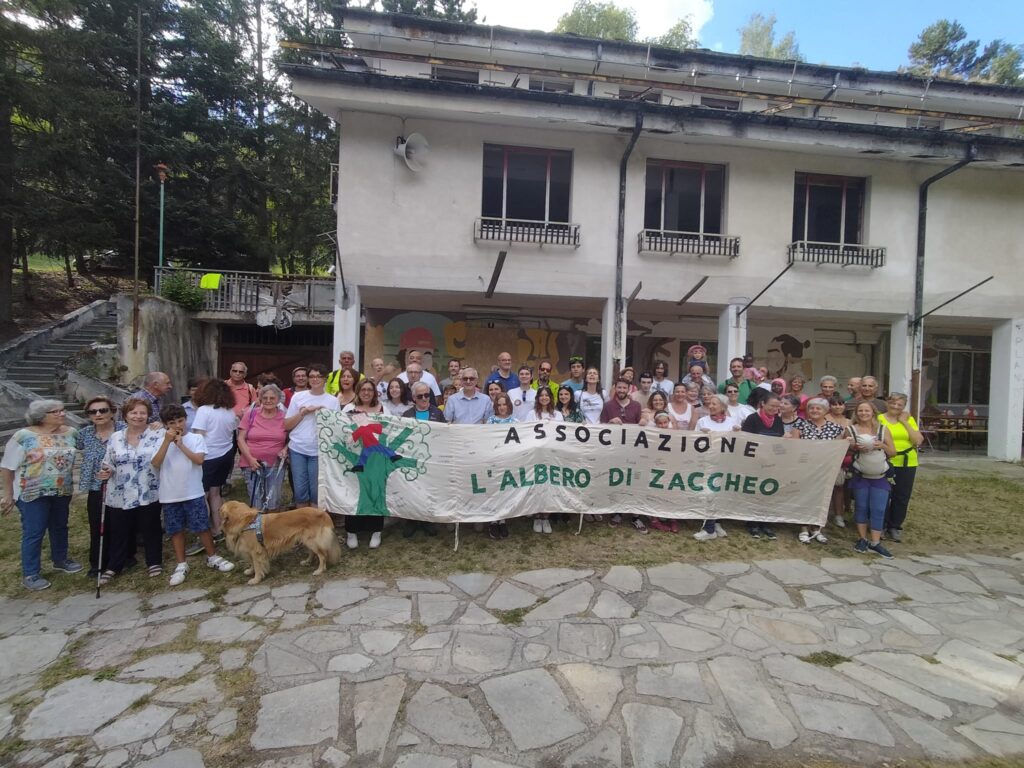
{"x":391,"y":334}
{"x":784,"y":357}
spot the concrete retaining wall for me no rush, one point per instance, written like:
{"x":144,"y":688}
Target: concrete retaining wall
{"x":17,"y":348}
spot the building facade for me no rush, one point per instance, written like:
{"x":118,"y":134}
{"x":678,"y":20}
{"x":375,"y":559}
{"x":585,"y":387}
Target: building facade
{"x":625,"y":202}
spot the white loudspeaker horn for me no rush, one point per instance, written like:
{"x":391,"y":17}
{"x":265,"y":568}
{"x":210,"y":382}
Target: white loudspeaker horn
{"x":413,"y":150}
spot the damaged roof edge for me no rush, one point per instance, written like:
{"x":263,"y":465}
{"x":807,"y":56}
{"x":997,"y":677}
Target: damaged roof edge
{"x":673,"y":58}
{"x":938,"y":139}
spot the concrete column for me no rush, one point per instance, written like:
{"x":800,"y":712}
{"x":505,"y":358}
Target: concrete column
{"x":347,"y":325}
{"x":608,"y":342}
{"x":1006,"y":392}
{"x":900,"y":355}
{"x":732,"y":335}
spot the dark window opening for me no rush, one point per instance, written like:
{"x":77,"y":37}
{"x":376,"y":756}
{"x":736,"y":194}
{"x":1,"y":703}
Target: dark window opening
{"x":963,"y":377}
{"x":648,"y":94}
{"x":551,"y":86}
{"x":828,"y":209}
{"x":714,"y":102}
{"x":684,"y":197}
{"x":526,"y":184}
{"x":455,"y":75}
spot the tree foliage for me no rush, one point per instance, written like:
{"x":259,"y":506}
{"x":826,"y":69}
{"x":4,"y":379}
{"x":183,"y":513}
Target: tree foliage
{"x":679,"y":35}
{"x":602,"y":20}
{"x":757,"y":38}
{"x":943,"y":50}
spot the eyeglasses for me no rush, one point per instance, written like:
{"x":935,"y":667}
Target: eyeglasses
{"x":93,"y":411}
{"x":469,"y":378}
{"x":422,"y":396}
{"x":315,"y":376}
{"x":56,"y":412}
{"x":545,"y":370}
{"x":238,"y":370}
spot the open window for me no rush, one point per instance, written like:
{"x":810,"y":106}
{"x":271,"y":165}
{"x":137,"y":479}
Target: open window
{"x":684,"y":206}
{"x":828,"y":222}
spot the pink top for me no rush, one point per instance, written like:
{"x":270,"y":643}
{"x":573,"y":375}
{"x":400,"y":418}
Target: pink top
{"x":265,"y":437}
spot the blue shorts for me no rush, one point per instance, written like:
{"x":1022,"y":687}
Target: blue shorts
{"x":191,"y":514}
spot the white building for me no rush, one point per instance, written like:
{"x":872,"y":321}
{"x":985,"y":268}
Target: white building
{"x":563,"y":173}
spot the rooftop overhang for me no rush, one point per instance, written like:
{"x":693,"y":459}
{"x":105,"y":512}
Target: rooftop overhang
{"x":572,"y":54}
{"x":335,"y":91}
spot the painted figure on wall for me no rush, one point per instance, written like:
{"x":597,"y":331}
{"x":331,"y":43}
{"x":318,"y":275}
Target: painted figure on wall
{"x":782,"y":355}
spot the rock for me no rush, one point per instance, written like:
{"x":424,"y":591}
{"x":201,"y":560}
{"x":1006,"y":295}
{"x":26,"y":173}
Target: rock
{"x":795,"y":573}
{"x":349,"y":662}
{"x":748,"y":641}
{"x":378,"y":611}
{"x":175,"y":597}
{"x":845,"y":566}
{"x":610,"y":606}
{"x":895,"y":689}
{"x":178,"y":758}
{"x":293,"y":589}
{"x":959,"y":583}
{"x":894,"y":637}
{"x":421,"y":585}
{"x":436,"y":609}
{"x":750,"y":702}
{"x":473,"y":584}
{"x":679,"y":579}
{"x":475,"y":616}
{"x":27,"y":654}
{"x":679,"y":681}
{"x":852,"y":637}
{"x":687,"y":638}
{"x":419,"y":760}
{"x":163,"y":665}
{"x":571,"y":602}
{"x":380,"y":642}
{"x":661,"y":604}
{"x":794,"y":670}
{"x":486,"y":762}
{"x":224,"y":723}
{"x":298,"y":717}
{"x":323,"y":640}
{"x":509,"y":597}
{"x":980,"y":665}
{"x":289,"y":604}
{"x":180,"y":611}
{"x":546,"y":578}
{"x":631,"y":630}
{"x":871,"y":618}
{"x":759,"y":586}
{"x":652,"y":732}
{"x":482,"y":653}
{"x":134,"y":727}
{"x":998,"y":581}
{"x":232,"y":658}
{"x":929,"y":677}
{"x":237,"y":595}
{"x":445,"y":718}
{"x":122,"y":613}
{"x":931,"y":740}
{"x":996,"y":734}
{"x":375,"y":705}
{"x":596,"y":687}
{"x":860,"y":592}
{"x":602,"y":751}
{"x":842,"y":719}
{"x":915,"y":624}
{"x":79,"y":706}
{"x":724,"y":599}
{"x":814,"y":599}
{"x":338,"y":594}
{"x":532,"y":708}
{"x":989,"y":633}
{"x":586,"y":641}
{"x":726,"y":568}
{"x":649,"y":650}
{"x":785,"y":631}
{"x":432,"y":641}
{"x":535,"y":652}
{"x":917,"y":589}
{"x":203,"y":689}
{"x":711,"y":738}
{"x":624,"y":578}
{"x":278,"y":663}
{"x":334,"y":757}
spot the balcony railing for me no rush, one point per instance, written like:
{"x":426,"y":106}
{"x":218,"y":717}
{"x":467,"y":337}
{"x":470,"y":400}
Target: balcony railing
{"x":695,"y":243}
{"x":842,"y":254}
{"x":301,"y":296}
{"x":523,"y":231}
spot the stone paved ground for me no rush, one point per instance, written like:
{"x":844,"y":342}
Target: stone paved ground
{"x":675,"y":665}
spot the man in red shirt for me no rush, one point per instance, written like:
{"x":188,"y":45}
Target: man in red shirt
{"x":244,"y":392}
{"x":622,"y":409}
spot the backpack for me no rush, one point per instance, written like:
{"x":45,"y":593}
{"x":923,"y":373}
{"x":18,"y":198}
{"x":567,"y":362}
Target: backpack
{"x":871,"y":464}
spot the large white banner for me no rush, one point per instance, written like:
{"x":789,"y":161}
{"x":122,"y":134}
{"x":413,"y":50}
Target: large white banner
{"x":476,"y":473}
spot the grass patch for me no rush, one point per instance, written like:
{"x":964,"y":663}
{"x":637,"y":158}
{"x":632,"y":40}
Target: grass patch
{"x":513,"y":617}
{"x":903,"y":599}
{"x":930,"y":659}
{"x":824,"y":658}
{"x":1007,"y":656}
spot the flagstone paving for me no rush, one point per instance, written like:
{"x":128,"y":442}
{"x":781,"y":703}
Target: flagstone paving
{"x":859,"y":661}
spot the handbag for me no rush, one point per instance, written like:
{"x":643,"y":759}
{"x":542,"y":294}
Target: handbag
{"x":872,"y":464}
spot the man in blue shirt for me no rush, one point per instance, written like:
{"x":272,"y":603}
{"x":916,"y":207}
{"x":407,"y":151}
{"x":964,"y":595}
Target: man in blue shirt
{"x":504,"y":373}
{"x":575,"y":380}
{"x":469,"y":405}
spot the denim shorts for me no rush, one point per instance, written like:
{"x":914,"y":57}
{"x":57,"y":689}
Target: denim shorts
{"x":192,"y":515}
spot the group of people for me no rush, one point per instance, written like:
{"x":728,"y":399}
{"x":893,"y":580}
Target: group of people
{"x":153,"y":468}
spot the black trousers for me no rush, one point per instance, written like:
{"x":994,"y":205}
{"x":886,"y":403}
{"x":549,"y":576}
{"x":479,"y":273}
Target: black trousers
{"x":122,"y":527}
{"x":899,"y":499}
{"x":364,"y":523}
{"x":93,"y":503}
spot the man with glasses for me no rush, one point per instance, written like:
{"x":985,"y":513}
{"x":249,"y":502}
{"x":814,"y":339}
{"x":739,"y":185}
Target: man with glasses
{"x":244,"y":392}
{"x":155,"y":385}
{"x":469,"y":405}
{"x":415,"y":358}
{"x":544,"y":369}
{"x":738,"y":380}
{"x":575,"y":380}
{"x":504,"y":373}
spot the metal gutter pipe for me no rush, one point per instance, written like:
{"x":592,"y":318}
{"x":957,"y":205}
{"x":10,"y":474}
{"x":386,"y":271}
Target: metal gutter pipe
{"x":918,"y":316}
{"x":619,"y":350}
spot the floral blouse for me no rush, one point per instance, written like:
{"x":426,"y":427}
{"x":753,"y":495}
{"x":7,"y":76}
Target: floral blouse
{"x":42,"y":464}
{"x":93,"y":450}
{"x":135,"y":481}
{"x":827,"y":431}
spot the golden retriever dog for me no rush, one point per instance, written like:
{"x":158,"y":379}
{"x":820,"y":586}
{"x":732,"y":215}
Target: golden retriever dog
{"x":308,"y":526}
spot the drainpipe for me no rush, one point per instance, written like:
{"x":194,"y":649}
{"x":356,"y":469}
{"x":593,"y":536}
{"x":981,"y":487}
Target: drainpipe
{"x":922,"y":229}
{"x":620,"y":305}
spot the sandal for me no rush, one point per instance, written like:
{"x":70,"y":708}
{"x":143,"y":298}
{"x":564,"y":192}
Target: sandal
{"x":106,"y":576}
{"x":154,"y":571}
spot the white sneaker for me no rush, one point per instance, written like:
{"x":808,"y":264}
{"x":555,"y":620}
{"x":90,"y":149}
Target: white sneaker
{"x":820,"y":537}
{"x":840,"y":522}
{"x":218,"y":562}
{"x":537,"y":525}
{"x":178,"y":577}
{"x":720,"y":531}
{"x":375,"y":540}
{"x":545,"y":526}
{"x":703,"y":535}
{"x":805,"y":537}
{"x":351,"y":541}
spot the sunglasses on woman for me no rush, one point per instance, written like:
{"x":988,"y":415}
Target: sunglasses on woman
{"x":97,"y":411}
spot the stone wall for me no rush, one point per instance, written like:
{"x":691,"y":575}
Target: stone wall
{"x":170,"y":340}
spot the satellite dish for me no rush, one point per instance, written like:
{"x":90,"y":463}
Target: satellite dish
{"x":413,"y":150}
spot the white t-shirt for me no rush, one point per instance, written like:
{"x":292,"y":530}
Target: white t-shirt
{"x":683,"y":419}
{"x":705,"y":422}
{"x":740,"y":411}
{"x":522,"y":403}
{"x":544,"y":416}
{"x":390,"y":409}
{"x":218,"y":426}
{"x":591,"y":405}
{"x":180,"y":479}
{"x":427,"y":378}
{"x":666,"y":385}
{"x":302,"y":438}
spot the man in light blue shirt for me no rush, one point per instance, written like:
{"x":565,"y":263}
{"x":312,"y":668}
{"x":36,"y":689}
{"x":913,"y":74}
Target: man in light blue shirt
{"x":469,"y":405}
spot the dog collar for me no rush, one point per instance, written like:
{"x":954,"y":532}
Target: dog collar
{"x":257,"y":525}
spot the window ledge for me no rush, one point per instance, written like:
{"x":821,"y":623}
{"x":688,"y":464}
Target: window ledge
{"x":838,"y":254}
{"x":512,"y":231}
{"x":694,"y":243}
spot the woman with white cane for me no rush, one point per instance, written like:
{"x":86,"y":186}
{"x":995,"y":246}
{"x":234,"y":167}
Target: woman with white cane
{"x":92,"y":442}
